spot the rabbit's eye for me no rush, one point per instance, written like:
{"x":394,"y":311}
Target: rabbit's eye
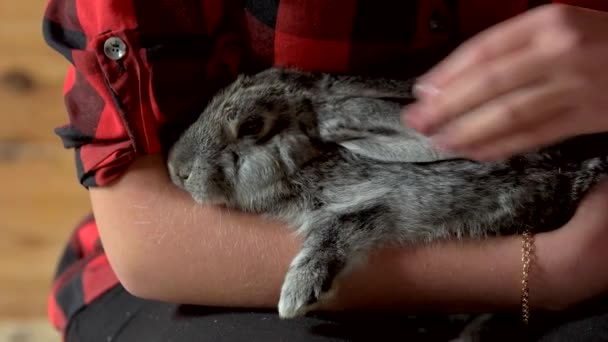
{"x":251,"y":127}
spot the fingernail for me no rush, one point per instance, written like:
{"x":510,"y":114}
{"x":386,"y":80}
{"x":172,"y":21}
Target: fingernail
{"x":424,"y":90}
{"x":441,"y":148}
{"x":444,"y":142}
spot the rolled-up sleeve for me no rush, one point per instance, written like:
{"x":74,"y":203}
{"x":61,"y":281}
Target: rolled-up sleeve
{"x":138,"y":71}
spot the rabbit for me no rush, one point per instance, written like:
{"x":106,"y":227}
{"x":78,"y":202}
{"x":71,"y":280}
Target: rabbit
{"x":328,"y":155}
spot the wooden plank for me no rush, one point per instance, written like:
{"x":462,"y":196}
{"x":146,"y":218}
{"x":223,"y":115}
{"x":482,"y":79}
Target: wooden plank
{"x":34,"y":330}
{"x":40,"y":201}
{"x":39,"y":205}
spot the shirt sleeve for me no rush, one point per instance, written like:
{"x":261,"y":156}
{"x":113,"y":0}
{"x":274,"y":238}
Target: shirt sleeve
{"x":138,"y":73}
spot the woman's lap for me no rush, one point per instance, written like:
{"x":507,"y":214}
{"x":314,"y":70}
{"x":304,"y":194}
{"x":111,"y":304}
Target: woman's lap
{"x":117,"y":316}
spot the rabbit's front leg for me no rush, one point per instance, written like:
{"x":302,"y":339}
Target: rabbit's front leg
{"x":311,"y":272}
{"x":334,"y":241}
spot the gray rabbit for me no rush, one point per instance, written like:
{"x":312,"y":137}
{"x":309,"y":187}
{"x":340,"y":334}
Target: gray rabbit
{"x":328,"y":155}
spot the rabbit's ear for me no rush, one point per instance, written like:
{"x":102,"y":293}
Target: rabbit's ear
{"x":340,"y":85}
{"x":373,"y":128}
{"x":380,"y":88}
{"x":396,"y":148}
{"x":384,"y":142}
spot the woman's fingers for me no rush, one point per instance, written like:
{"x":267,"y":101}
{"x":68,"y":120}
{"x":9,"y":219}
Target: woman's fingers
{"x":515,"y":87}
{"x":506,"y":115}
{"x":539,"y":135}
{"x":482,"y":85}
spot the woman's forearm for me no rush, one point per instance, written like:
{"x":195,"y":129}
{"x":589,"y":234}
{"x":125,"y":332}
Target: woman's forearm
{"x":163,"y":246}
{"x":467,"y":276}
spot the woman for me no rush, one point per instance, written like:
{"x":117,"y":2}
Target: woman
{"x":140,"y":71}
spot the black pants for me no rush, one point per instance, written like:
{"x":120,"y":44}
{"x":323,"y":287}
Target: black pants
{"x":119,"y":317}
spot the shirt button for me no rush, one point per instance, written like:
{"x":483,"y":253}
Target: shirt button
{"x":114,"y":48}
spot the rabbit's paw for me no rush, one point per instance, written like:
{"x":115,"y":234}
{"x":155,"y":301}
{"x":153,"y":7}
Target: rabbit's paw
{"x":303,"y":288}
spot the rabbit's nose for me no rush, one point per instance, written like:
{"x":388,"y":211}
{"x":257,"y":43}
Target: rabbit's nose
{"x":180,"y":173}
{"x":184,"y":173}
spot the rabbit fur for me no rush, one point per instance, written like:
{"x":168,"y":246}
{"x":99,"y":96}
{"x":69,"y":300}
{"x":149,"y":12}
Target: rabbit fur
{"x":328,"y":155}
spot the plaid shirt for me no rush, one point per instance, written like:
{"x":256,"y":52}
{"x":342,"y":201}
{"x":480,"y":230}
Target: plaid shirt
{"x":140,"y":71}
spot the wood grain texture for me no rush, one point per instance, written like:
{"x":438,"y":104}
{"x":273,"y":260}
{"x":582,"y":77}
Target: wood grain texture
{"x":27,"y":331}
{"x":40,"y":199}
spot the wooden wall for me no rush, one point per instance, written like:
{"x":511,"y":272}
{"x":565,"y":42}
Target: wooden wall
{"x":40,"y":200}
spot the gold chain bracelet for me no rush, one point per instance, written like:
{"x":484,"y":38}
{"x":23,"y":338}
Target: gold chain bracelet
{"x":527,"y":252}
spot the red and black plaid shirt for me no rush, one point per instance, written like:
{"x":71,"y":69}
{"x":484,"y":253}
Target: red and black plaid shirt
{"x":131,"y":96}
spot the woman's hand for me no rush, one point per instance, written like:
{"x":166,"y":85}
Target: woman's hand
{"x":575,"y":255}
{"x":527,"y":82}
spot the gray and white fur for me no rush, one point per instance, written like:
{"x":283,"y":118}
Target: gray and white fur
{"x":328,"y":155}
